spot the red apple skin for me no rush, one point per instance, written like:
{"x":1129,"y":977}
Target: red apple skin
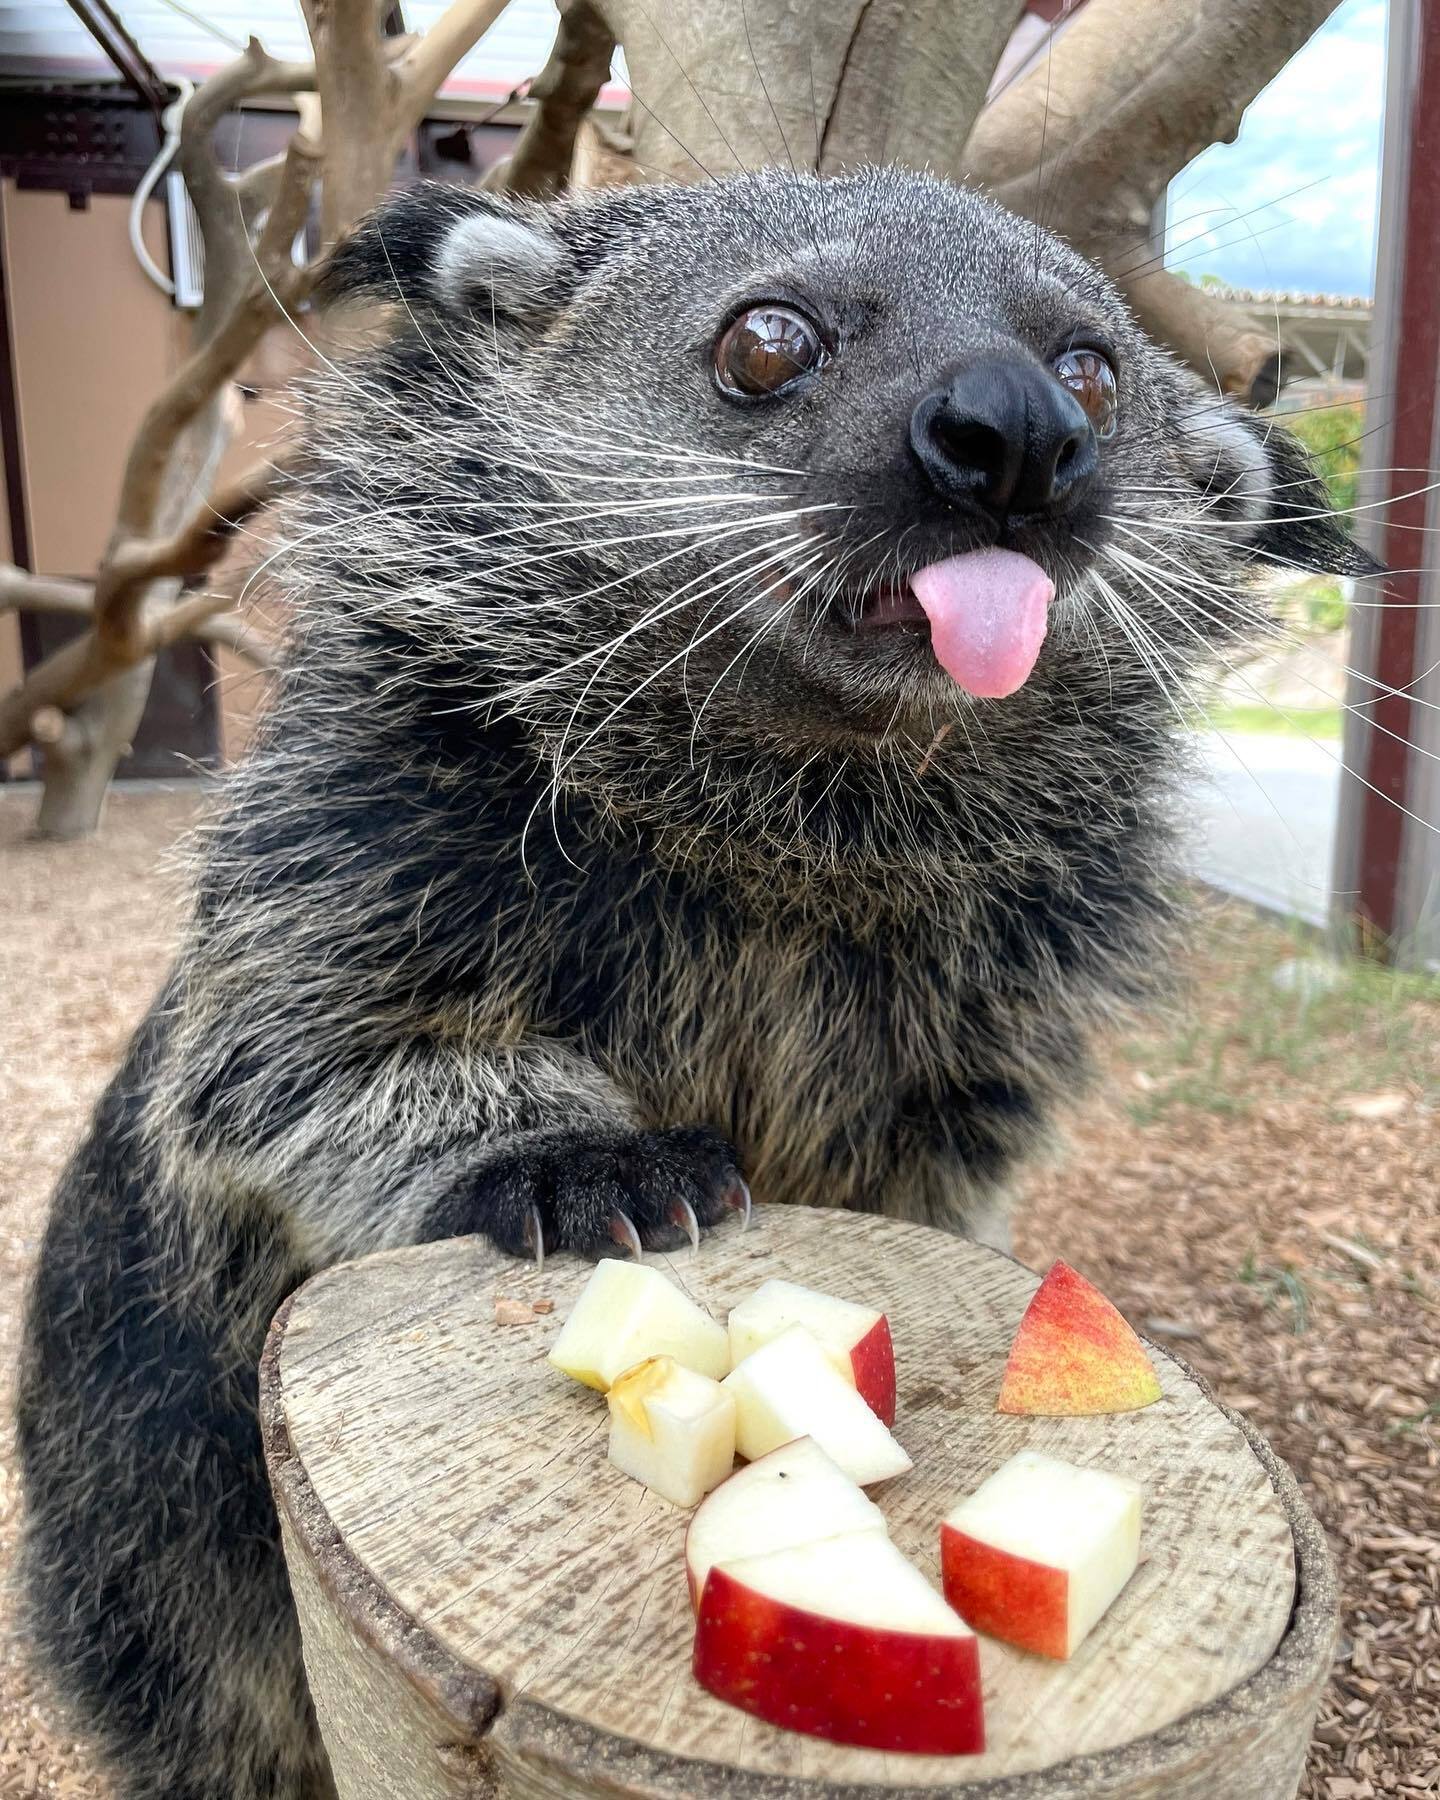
{"x":1006,"y":1596}
{"x":872,"y":1361}
{"x":852,"y":1684}
{"x":1074,"y":1354}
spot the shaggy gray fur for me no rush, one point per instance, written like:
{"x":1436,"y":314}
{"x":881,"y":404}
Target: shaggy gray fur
{"x":589,"y":857}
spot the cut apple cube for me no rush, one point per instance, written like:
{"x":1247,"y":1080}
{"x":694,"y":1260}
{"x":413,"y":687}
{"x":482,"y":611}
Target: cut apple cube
{"x":794,"y":1495}
{"x":672,"y":1429}
{"x":628,"y":1312}
{"x":789,"y":1389}
{"x":1038,"y":1552}
{"x":842,"y":1639}
{"x":856,"y":1338}
{"x":1073,"y":1353}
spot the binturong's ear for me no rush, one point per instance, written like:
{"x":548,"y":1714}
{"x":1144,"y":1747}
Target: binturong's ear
{"x":456,"y":250}
{"x":1264,"y":488}
{"x":1301,"y":526}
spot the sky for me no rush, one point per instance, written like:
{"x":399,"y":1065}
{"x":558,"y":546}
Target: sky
{"x":1315,"y":129}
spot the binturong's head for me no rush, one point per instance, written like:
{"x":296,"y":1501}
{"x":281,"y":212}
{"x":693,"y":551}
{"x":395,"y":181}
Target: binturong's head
{"x":790,"y":464}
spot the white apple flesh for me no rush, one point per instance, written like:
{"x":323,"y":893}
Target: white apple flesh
{"x":856,"y":1338}
{"x":789,"y":1389}
{"x":842,"y":1639}
{"x":792,"y":1496}
{"x":1039,"y":1551}
{"x":628,"y":1312}
{"x":671,"y":1429}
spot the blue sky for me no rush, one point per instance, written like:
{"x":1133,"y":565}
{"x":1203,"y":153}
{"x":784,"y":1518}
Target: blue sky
{"x":1316,"y":128}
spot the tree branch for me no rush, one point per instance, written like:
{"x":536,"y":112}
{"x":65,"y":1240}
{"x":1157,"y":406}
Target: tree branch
{"x":226,"y":630}
{"x":161,"y":535}
{"x":276,"y":283}
{"x":197,"y":546}
{"x":256,"y":187}
{"x":73,"y":671}
{"x":1215,"y":338}
{"x":77,"y":669}
{"x":422,"y":70}
{"x":23,"y":592}
{"x":217,"y":196}
{"x":253,"y":72}
{"x":358,"y":85}
{"x":1140,"y":88}
{"x":63,"y":739}
{"x":1113,"y":137}
{"x":603,"y":157}
{"x":191,"y":618}
{"x":563,"y":93}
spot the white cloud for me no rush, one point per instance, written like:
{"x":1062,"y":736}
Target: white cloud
{"x":1292,"y":202}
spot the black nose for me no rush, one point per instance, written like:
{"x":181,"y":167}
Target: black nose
{"x":1006,"y":436}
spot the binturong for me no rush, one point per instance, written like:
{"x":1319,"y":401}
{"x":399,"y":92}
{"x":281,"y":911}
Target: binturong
{"x":726,"y":737}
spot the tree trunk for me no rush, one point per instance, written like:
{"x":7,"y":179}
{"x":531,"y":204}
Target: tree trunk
{"x":81,"y":763}
{"x":489,"y":1607}
{"x":736,"y":84}
{"x":78,"y":772}
{"x":353,"y":83}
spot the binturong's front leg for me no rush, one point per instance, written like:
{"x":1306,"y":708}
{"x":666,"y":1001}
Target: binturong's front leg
{"x":562,"y":1164}
{"x":530,"y":1146}
{"x":588,"y":1187}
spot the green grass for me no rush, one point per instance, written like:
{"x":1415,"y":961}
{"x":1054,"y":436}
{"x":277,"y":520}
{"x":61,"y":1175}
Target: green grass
{"x":1323,"y":722}
{"x":1403,"y":1427}
{"x":1333,"y":436}
{"x":1277,"y":1285}
{"x":1372,"y":1029}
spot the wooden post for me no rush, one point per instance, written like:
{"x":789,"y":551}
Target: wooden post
{"x":1387,"y":864}
{"x":489,"y":1608}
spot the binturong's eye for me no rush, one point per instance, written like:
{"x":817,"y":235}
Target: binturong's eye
{"x":765,"y":349}
{"x":1091,"y":379}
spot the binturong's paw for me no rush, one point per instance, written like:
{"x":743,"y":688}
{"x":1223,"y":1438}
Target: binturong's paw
{"x":602,"y":1192}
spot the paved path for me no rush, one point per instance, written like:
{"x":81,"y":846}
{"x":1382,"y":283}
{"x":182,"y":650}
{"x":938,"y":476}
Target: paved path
{"x":1264,"y":824}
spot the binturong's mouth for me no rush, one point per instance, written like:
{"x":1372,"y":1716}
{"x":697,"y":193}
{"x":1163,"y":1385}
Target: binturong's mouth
{"x":986,"y":610}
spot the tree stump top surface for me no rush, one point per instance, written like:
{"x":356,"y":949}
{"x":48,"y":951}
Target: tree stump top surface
{"x":448,"y":1468}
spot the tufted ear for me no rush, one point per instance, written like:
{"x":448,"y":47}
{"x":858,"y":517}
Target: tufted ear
{"x":455,"y":249}
{"x":1301,"y":526}
{"x":1266,"y":488}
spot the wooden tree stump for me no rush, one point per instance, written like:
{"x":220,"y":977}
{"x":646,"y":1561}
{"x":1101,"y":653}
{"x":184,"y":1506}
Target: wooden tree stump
{"x":489,"y":1608}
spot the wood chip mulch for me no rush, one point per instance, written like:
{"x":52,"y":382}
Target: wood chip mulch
{"x":1255,"y":1181}
{"x":1259,"y":1190}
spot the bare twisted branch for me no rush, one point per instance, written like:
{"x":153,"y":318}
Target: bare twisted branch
{"x":563,"y":92}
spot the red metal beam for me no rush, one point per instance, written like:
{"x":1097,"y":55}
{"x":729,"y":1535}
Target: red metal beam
{"x":1414,"y":379}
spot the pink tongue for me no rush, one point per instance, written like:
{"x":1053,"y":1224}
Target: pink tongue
{"x":987,"y":610}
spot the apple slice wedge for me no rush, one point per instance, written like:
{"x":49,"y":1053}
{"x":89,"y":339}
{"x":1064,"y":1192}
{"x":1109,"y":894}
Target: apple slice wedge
{"x":791,"y":1389}
{"x":627,"y":1312}
{"x":856,"y":1338}
{"x":1074,"y":1354}
{"x":792,"y":1496}
{"x":842,"y":1639}
{"x":1039,"y":1551}
{"x":672,"y":1429}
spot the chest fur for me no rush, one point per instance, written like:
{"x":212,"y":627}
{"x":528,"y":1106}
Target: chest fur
{"x":830,"y":1061}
